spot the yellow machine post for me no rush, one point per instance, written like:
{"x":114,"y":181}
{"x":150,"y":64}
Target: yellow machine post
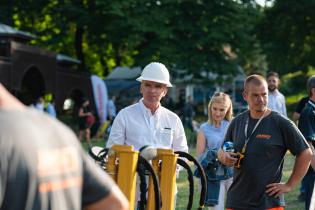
{"x":127,"y":178}
{"x":125,"y":172}
{"x":111,"y":167}
{"x":167,"y":176}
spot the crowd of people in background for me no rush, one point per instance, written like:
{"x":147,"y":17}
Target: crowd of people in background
{"x":47,"y":105}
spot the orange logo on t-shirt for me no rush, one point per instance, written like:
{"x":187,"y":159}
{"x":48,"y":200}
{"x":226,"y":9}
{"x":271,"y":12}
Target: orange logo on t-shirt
{"x":58,"y":169}
{"x":263,"y":136}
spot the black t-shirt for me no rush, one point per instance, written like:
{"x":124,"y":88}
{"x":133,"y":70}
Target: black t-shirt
{"x":307,"y":125}
{"x":42,"y":165}
{"x":301,"y":104}
{"x":307,"y":121}
{"x":263,"y":160}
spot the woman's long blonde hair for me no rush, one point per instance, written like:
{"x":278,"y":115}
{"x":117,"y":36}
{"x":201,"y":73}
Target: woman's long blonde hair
{"x":220,"y":97}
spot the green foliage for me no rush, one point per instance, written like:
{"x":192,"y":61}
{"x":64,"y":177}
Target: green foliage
{"x":288,"y":36}
{"x":103,"y":34}
{"x":295,"y":83}
{"x":293,"y":86}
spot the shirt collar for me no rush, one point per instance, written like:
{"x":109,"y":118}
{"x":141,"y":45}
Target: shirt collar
{"x":311,"y":103}
{"x":146,"y":110}
{"x":275,"y":92}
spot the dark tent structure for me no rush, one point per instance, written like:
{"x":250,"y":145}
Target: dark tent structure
{"x":29,"y":71}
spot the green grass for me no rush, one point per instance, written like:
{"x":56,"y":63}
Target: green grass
{"x":291,"y":200}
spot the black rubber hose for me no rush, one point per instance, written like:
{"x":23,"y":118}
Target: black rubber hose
{"x":202,"y":177}
{"x":157,"y":193}
{"x":191,"y":181}
{"x":100,"y":157}
{"x":143,"y":185}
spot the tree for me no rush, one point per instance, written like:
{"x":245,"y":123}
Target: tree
{"x":287,"y":35}
{"x":184,"y":34}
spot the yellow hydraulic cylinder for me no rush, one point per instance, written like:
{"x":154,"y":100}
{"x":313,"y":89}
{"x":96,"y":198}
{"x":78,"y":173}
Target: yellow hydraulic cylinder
{"x":111,"y":166}
{"x":124,"y":170}
{"x":126,"y":179}
{"x":168,"y":179}
{"x":113,"y":154}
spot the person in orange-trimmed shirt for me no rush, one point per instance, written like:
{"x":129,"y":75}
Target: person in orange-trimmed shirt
{"x":261,"y":138}
{"x":43,"y":167}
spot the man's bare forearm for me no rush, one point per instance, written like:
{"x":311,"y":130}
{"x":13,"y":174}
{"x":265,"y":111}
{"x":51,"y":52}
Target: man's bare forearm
{"x":301,"y":165}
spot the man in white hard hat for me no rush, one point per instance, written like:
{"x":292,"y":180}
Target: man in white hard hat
{"x":147,"y":122}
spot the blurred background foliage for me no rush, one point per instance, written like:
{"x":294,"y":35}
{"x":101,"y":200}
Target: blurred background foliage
{"x":213,"y":36}
{"x":104,"y":34}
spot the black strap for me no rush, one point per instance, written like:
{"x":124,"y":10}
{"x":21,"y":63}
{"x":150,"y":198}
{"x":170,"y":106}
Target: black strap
{"x":191,"y":181}
{"x":202,"y":178}
{"x":157,"y":194}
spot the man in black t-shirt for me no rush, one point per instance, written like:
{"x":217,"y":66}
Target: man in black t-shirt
{"x":299,"y":108}
{"x":43,"y":167}
{"x":296,"y":116}
{"x":307,"y":127}
{"x":262,"y":136}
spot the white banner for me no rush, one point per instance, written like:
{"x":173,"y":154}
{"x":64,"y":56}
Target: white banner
{"x":100,"y":97}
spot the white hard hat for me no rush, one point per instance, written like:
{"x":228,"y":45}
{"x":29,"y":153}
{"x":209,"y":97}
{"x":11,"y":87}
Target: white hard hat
{"x":156,"y":72}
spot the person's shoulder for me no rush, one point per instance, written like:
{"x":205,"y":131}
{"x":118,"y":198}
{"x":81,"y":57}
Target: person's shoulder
{"x":32,"y":117}
{"x":240,"y":116}
{"x":281,"y":94}
{"x":307,"y":116}
{"x":305,"y":99}
{"x":279,"y":119}
{"x":308,"y":109}
{"x":130,"y":108}
{"x":225,"y":123}
{"x":168,"y":112}
{"x":277,"y":115}
{"x":204,"y":125}
{"x":239,"y":119}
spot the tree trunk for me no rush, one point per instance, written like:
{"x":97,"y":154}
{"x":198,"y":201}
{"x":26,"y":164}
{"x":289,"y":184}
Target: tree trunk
{"x":79,"y":46}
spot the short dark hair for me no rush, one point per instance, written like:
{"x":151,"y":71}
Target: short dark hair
{"x":273,"y":73}
{"x":310,"y":85}
{"x":254,"y":79}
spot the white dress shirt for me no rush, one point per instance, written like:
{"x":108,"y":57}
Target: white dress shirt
{"x":276,"y":102}
{"x":135,"y":125}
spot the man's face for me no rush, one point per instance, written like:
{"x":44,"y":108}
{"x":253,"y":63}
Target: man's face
{"x":256,"y":97}
{"x":273,"y":83}
{"x":152,"y":92}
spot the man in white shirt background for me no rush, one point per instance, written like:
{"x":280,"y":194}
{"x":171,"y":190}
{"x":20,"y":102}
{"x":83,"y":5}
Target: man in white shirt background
{"x":276,"y":100}
{"x":147,"y":122}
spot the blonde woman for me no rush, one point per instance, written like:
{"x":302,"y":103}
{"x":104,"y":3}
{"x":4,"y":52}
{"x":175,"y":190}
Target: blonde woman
{"x":209,"y":140}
